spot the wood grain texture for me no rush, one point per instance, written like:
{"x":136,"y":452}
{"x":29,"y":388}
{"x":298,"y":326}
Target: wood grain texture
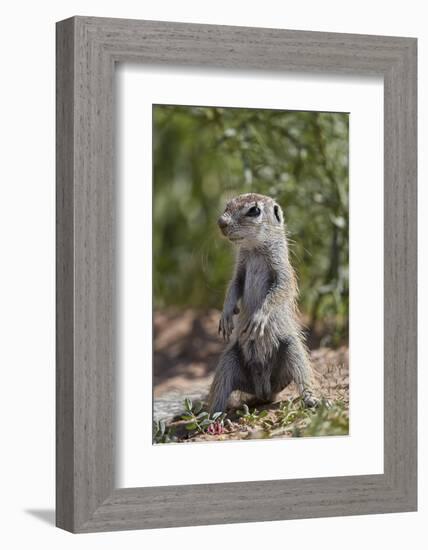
{"x":87,"y":49}
{"x":64,"y":277}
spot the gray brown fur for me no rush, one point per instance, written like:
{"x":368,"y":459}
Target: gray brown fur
{"x":265,"y":350}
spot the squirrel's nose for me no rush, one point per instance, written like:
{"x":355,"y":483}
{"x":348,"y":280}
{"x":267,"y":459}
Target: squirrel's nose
{"x":223,"y":222}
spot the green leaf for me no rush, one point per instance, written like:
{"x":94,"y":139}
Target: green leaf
{"x":188,"y":404}
{"x":187,"y":416}
{"x":216,"y":415}
{"x":197,"y":407}
{"x":263,"y":414}
{"x":202,"y":415}
{"x":162,"y":427}
{"x":191,"y":426}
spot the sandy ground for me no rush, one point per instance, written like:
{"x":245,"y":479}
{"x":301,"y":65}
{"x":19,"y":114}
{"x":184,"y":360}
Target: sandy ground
{"x":186,"y":351}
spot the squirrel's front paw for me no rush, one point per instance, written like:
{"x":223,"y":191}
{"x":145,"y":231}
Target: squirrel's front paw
{"x":226,"y":326}
{"x":255,"y":326}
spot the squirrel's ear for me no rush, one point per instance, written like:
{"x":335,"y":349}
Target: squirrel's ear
{"x":278,"y":213}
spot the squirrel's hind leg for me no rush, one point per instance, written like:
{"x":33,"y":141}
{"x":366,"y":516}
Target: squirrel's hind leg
{"x":293,"y":365}
{"x":228,"y":377}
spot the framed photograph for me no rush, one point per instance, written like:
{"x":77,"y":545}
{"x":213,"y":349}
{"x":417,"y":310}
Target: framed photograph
{"x":236,"y":274}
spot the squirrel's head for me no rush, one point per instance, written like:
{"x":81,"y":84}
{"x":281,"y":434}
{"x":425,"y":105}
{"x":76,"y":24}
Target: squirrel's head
{"x":251,"y":220}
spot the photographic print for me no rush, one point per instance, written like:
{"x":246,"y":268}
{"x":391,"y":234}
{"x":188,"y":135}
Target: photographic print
{"x":250,"y":274}
{"x":214,"y":320}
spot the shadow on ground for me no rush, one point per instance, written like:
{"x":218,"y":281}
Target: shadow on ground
{"x":47,"y":515}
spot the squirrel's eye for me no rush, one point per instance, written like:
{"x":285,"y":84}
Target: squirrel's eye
{"x":253,"y":212}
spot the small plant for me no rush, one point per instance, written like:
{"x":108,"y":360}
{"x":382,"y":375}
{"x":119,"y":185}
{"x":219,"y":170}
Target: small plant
{"x":162,"y":433}
{"x":293,"y":419}
{"x":291,"y":411}
{"x":329,"y":419}
{"x":216,"y":428}
{"x":200,"y":421}
{"x":253,"y":418}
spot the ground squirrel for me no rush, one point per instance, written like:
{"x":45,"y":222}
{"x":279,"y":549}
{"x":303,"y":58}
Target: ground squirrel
{"x":265,"y":350}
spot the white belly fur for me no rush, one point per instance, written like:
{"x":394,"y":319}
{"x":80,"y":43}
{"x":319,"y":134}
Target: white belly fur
{"x":257,"y":283}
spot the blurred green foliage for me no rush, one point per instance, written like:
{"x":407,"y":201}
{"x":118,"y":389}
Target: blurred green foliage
{"x":204,"y":156}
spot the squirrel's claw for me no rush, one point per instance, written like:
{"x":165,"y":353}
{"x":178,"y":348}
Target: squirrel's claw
{"x":226,"y":326}
{"x":255,"y":326}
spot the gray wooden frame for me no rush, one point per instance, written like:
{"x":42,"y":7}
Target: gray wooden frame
{"x":87,"y":50}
